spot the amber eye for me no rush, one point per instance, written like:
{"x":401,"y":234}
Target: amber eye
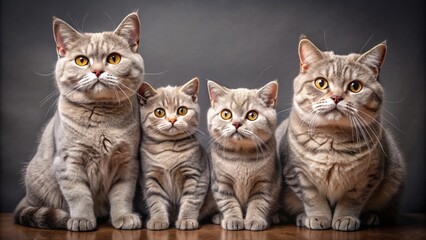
{"x":114,"y":58}
{"x":159,"y":112}
{"x":81,"y":61}
{"x":226,"y":114}
{"x":321,"y":83}
{"x":182,"y":111}
{"x":252,"y":115}
{"x":355,"y":86}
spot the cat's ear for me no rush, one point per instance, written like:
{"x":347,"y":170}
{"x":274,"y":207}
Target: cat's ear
{"x":215,"y":91}
{"x":308,"y":53}
{"x":63,"y":34}
{"x":146,"y":91}
{"x":129,"y":29}
{"x":375,"y":57}
{"x":268,"y":94}
{"x":191,"y":88}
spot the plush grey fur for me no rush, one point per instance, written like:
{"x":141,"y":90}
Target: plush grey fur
{"x":338,"y":160}
{"x":86,"y":163}
{"x":245,"y":172}
{"x":175,"y":168}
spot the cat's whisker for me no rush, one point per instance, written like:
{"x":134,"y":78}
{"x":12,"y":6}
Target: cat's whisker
{"x":45,"y":74}
{"x":84,"y":21}
{"x":285,"y":110}
{"x":51,"y":107}
{"x":380,"y":124}
{"x":50,"y":96}
{"x":388,"y":112}
{"x":127,"y":96}
{"x":131,"y":90}
{"x":264,"y":70}
{"x":156,"y":74}
{"x":378,"y":140}
{"x":365,"y":44}
{"x":367,"y":140}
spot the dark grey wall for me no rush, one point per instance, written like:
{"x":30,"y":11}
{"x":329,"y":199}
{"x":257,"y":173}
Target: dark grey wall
{"x":237,"y":43}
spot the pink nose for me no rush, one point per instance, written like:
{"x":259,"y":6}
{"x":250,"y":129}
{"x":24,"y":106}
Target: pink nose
{"x":172,"y":120}
{"x":336,"y":98}
{"x":98,"y":72}
{"x":237,"y":125}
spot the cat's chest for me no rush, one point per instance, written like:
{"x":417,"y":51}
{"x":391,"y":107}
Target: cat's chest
{"x":335,"y":179}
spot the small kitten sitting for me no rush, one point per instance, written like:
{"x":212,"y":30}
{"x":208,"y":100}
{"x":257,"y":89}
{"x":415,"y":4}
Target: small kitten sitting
{"x":175,"y":168}
{"x":86,"y":163}
{"x":338,"y":160}
{"x":245,"y":170}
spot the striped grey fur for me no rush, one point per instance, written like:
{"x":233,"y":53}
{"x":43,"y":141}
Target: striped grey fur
{"x":338,"y":161}
{"x":245,"y":170}
{"x":86,"y":162}
{"x":175,"y":169}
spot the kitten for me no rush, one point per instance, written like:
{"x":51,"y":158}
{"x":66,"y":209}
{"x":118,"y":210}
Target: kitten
{"x":86,"y":162}
{"x":175,"y":168}
{"x":245,"y":170}
{"x":338,"y":160}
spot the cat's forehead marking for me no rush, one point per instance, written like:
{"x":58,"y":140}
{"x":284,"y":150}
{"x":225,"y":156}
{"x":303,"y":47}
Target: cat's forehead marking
{"x":338,"y":70}
{"x":169,"y":96}
{"x":240,"y":100}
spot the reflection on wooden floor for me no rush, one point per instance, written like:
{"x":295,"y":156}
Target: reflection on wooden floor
{"x":409,"y":227}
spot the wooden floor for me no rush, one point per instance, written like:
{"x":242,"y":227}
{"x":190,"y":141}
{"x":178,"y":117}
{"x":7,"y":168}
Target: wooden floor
{"x":409,"y":227}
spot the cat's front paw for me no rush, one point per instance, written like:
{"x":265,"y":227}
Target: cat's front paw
{"x":346,"y":223}
{"x":217,"y":218}
{"x":80,"y":224}
{"x":186,"y":224}
{"x":233,"y":223}
{"x":255,"y":224}
{"x":157,"y":224}
{"x":313,"y":222}
{"x":127,"y":221}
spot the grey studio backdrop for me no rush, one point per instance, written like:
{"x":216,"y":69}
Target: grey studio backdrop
{"x":236,"y":43}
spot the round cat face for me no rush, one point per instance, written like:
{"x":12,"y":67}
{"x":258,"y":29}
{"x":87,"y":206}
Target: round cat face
{"x":100,"y":66}
{"x":334,"y":90}
{"x":242,"y":118}
{"x":170,"y":112}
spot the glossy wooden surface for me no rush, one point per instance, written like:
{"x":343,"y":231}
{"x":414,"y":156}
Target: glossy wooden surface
{"x":409,"y":227}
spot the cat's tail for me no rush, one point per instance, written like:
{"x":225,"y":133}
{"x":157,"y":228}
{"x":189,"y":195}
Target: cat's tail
{"x":40,"y":217}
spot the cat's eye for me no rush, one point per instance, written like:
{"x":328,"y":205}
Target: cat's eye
{"x":81,"y":61}
{"x":252,"y":115}
{"x":226,"y":114}
{"x":114,"y":58}
{"x":355,"y":86}
{"x":321,"y":83}
{"x":159,"y":112}
{"x":182,"y":111}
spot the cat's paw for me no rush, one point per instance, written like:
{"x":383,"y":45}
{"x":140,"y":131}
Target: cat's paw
{"x":233,"y":223}
{"x":372,"y":220}
{"x":313,"y":222}
{"x":255,"y":224}
{"x":217,"y":218}
{"x":157,"y":224}
{"x":80,"y":224}
{"x":346,"y":223}
{"x":186,"y":224}
{"x":127,"y":221}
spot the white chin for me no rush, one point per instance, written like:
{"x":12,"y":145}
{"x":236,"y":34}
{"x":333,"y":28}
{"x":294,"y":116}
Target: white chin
{"x":333,"y":116}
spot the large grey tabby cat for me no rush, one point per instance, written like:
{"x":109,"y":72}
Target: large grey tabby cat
{"x":175,"y":168}
{"x":245,"y":173}
{"x":339,"y":161}
{"x":86,"y":163}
